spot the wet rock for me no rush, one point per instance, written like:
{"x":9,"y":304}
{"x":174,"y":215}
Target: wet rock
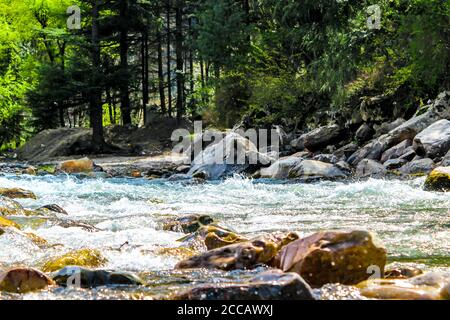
{"x":403,"y":272}
{"x":9,"y":207}
{"x":90,"y":258}
{"x":8,"y":223}
{"x":271,"y":285}
{"x":281,"y":168}
{"x":364,"y":133}
{"x":87,"y":278}
{"x":434,"y":141}
{"x":183,"y":169}
{"x":422,"y":166}
{"x":84,"y":165}
{"x":394,"y":164}
{"x":312,"y":170}
{"x":332,"y":257}
{"x":429,"y":286}
{"x":327,"y":158}
{"x":22,"y":280}
{"x":187,"y":224}
{"x":17,"y":193}
{"x":370,"y":168}
{"x":215,"y":237}
{"x":54,"y":208}
{"x":438,"y":180}
{"x":245,"y":255}
{"x":232,"y":155}
{"x":32,"y":171}
{"x":322,"y":137}
{"x":396,"y":151}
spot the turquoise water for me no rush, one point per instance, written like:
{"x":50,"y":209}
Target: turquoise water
{"x":413,"y":224}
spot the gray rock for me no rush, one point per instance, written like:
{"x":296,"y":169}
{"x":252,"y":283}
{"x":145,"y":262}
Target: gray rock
{"x":393,"y":164}
{"x":312,"y":169}
{"x":364,"y":133}
{"x":281,"y":168}
{"x":346,"y":151}
{"x":321,"y":137}
{"x":298,"y":143}
{"x":271,"y":285}
{"x":422,"y":166}
{"x":396,"y":151}
{"x":409,"y":154}
{"x":344,"y":167}
{"x":370,"y":168}
{"x":446,"y":160}
{"x":94,"y":278}
{"x":387,"y":127}
{"x":372,"y":150}
{"x":434,"y":141}
{"x":327,"y":158}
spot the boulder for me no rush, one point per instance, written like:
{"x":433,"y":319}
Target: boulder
{"x":346,"y":151}
{"x":270,"y":285}
{"x":434,"y":141}
{"x":370,"y":168}
{"x":402,"y":272}
{"x":422,"y":166}
{"x":409,"y":154}
{"x":396,"y":151}
{"x":344,"y":167}
{"x":212,"y":237}
{"x":394,"y":164}
{"x":388,"y":126}
{"x":313,"y":170}
{"x":281,"y":168}
{"x":22,"y":280}
{"x":438,"y":180}
{"x":187,"y":224}
{"x":90,"y":258}
{"x":446,"y":160}
{"x":87,"y":278}
{"x":245,"y":255}
{"x":364,"y":133}
{"x":429,"y":286}
{"x":298,"y":143}
{"x":322,"y":137}
{"x":232,"y":155}
{"x":17,"y":193}
{"x":84,"y":165}
{"x":332,"y":257}
{"x":371,"y":151}
{"x":53,"y":143}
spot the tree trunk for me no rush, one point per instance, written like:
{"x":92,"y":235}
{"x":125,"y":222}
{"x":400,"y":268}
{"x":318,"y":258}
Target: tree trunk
{"x":145,"y":90}
{"x":124,"y":85}
{"x":180,"y":62}
{"x":169,"y":60}
{"x":95,"y":103}
{"x":162,"y":96}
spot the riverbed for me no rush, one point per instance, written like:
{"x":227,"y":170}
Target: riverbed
{"x":413,"y":224}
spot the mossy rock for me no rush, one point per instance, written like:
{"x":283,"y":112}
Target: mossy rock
{"x":187,"y":224}
{"x":9,"y":207}
{"x":89,"y":258}
{"x":438,"y":180}
{"x":17,"y":193}
{"x":8,"y":223}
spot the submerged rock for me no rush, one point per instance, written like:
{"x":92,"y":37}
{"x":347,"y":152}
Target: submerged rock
{"x":9,"y":207}
{"x":84,"y":165}
{"x":90,"y":258}
{"x":17,"y":193}
{"x":8,"y":223}
{"x":332,"y":257}
{"x":434,"y":141}
{"x":438,"y":180}
{"x":245,"y":255}
{"x":187,"y":224}
{"x":403,"y":272}
{"x":271,"y":285}
{"x":22,"y":280}
{"x":429,"y":286}
{"x":87,"y":278}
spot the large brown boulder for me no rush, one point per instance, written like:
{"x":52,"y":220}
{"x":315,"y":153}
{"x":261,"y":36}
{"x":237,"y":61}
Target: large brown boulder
{"x":244,"y":255}
{"x":22,"y":280}
{"x":332,"y":257}
{"x":84,"y":165}
{"x":271,"y":285}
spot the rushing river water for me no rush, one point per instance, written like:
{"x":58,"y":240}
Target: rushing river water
{"x":413,"y":224}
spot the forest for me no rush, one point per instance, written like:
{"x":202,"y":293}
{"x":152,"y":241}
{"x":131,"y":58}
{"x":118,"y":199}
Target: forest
{"x":300,"y":64}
